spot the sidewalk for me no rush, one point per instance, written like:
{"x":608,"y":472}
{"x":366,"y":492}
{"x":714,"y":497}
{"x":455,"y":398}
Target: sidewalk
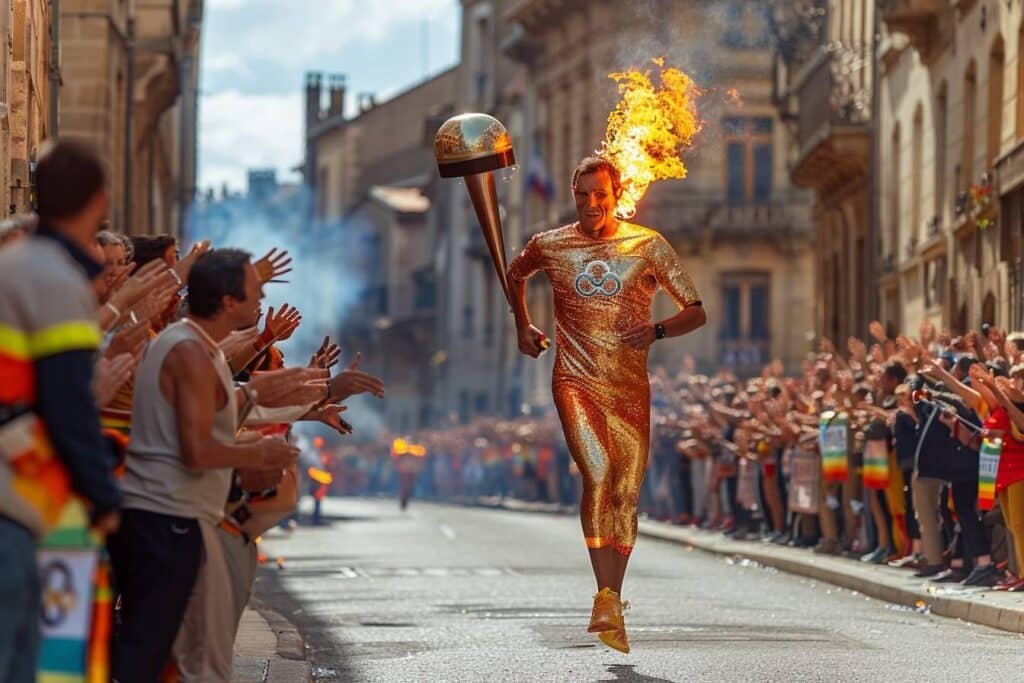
{"x":898,"y":586}
{"x":268,"y":649}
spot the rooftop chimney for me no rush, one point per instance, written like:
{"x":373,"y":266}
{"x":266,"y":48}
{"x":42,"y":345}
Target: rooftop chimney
{"x":314,"y":82}
{"x":337,"y":86}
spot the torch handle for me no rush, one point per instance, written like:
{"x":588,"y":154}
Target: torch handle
{"x":485,"y":202}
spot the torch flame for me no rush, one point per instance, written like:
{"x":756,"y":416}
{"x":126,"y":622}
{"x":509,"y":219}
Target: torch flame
{"x":320,"y":476}
{"x":649,"y":129}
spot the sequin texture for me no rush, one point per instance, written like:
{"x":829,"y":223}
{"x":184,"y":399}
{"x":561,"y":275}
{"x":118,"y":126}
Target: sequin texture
{"x":602,"y":289}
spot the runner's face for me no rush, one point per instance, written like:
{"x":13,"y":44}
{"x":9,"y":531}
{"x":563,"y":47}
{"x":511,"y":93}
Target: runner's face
{"x":595,"y":201}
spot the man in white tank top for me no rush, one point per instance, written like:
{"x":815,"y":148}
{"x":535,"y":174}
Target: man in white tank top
{"x":183,"y":450}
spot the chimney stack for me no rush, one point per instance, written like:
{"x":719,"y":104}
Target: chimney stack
{"x":337,"y":89}
{"x":314,"y":82}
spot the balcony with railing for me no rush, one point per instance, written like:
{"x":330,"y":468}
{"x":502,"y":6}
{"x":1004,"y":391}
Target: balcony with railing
{"x":833,"y":96}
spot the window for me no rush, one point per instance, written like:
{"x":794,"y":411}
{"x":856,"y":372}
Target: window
{"x":941,"y":102}
{"x":467,"y":322}
{"x":746,"y":304}
{"x":745,"y":26}
{"x":749,"y":159}
{"x":970,"y":96}
{"x":915,"y":171}
{"x":995,"y":103}
{"x":746,"y":324}
{"x":482,"y":403}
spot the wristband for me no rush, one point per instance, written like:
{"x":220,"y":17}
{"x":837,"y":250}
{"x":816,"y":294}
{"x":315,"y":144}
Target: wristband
{"x":264,"y":340}
{"x":659,"y":331}
{"x":113,"y":309}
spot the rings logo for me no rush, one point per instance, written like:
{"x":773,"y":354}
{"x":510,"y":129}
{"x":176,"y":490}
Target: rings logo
{"x":598,"y":278}
{"x":59,"y":597}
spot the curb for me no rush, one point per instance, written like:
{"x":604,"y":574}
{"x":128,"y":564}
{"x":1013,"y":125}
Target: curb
{"x":287,"y":664}
{"x":1004,"y":611}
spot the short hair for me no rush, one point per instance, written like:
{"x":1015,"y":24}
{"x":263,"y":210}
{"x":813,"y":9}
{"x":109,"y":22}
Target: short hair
{"x":69,"y":174}
{"x":105,"y":238}
{"x":146,"y":248}
{"x":214,"y":275}
{"x":895,"y":370}
{"x":595,"y":164}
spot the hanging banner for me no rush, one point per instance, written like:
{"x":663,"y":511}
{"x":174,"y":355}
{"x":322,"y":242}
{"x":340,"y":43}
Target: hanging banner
{"x":804,"y":483}
{"x":876,"y":464}
{"x":988,"y":467}
{"x":833,"y":442}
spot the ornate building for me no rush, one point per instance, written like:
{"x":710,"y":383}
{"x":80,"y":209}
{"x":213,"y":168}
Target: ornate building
{"x":129,"y":83}
{"x":950,"y":125}
{"x":824,"y":84}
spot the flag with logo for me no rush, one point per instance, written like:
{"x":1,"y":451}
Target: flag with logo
{"x":75,"y":615}
{"x":988,"y":467}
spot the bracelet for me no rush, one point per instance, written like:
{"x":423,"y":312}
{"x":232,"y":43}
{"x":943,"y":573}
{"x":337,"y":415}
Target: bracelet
{"x":113,"y":309}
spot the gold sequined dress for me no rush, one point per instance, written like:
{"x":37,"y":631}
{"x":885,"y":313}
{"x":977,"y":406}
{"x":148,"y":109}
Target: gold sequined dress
{"x":602,"y":289}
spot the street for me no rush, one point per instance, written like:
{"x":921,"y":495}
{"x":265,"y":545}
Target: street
{"x":443,"y":593}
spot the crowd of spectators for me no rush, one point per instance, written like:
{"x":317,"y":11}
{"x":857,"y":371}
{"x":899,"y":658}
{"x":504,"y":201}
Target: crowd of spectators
{"x":145,"y":437}
{"x":899,"y":450}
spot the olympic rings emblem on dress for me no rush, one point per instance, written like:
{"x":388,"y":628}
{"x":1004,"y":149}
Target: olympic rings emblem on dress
{"x":598,"y":278}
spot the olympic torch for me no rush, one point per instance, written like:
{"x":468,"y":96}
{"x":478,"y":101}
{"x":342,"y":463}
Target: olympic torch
{"x":472,"y":147}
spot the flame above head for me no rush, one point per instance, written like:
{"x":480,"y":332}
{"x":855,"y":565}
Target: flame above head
{"x":650,"y":128}
{"x":401,"y":447}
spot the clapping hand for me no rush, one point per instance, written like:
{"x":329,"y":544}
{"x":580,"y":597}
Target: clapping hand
{"x":110,"y":375}
{"x":281,"y":325}
{"x":184,"y":266}
{"x":273,"y":265}
{"x":352,"y":381}
{"x":290,"y":386}
{"x":153,"y":276}
{"x":326,"y":356}
{"x":130,"y":339}
{"x":330,"y":415}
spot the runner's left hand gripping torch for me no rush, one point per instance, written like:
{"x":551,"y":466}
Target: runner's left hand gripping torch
{"x":473,"y":146}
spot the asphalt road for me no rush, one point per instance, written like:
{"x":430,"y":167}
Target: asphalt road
{"x":442,"y":593}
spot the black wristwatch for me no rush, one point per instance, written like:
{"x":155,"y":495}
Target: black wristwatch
{"x":659,"y":331}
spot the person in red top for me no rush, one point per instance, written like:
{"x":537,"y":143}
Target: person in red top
{"x":1005,"y":399}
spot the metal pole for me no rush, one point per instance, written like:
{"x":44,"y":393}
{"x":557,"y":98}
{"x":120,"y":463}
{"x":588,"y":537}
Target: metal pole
{"x":129,"y":123}
{"x":53,"y":120}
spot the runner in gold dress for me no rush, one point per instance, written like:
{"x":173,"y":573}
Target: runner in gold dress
{"x":604,"y":273}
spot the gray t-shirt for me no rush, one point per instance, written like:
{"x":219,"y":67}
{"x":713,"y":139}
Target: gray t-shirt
{"x":156,"y":478}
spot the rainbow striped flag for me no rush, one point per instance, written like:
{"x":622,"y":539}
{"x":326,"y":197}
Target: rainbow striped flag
{"x":876,"y":464}
{"x":988,"y":467}
{"x":69,"y":566}
{"x":833,"y":442}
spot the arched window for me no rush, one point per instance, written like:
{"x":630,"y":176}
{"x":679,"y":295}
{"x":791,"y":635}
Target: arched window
{"x":996,"y":63}
{"x":916,"y":160}
{"x":941,"y":132}
{"x":970,"y":104}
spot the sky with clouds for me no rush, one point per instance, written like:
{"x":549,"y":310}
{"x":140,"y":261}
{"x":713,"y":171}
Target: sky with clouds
{"x":255,"y":54}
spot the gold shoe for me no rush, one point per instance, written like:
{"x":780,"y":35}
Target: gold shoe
{"x":616,"y":638}
{"x":607,"y":614}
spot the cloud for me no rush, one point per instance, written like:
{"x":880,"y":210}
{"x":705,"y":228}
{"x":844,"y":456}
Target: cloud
{"x":311,"y":29}
{"x":242,"y":131}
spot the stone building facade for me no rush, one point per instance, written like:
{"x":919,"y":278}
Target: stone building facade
{"x":24,"y":97}
{"x":825,"y":60}
{"x":129,"y":84}
{"x":950,"y":124}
